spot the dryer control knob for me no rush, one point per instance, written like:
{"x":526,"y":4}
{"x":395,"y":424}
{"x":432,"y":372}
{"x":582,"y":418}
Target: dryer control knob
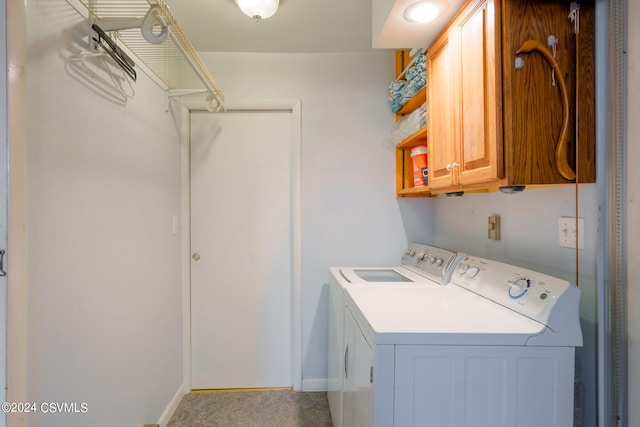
{"x":439,"y":261}
{"x":462,"y":268}
{"x":518,"y":288}
{"x":420,"y":256}
{"x":472,"y":271}
{"x":432,"y":259}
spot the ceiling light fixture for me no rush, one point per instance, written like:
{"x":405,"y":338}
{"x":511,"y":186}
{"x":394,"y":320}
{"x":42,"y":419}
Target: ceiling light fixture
{"x":258,"y":9}
{"x":424,"y":11}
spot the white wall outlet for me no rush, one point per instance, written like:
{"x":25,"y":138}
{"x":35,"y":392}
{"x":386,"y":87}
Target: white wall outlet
{"x":568,"y":234}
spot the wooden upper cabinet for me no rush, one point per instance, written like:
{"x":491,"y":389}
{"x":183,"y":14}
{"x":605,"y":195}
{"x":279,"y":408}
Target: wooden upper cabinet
{"x":441,"y":112}
{"x":463,"y":102}
{"x":492,"y":124}
{"x":480,"y":157}
{"x":532,"y":106}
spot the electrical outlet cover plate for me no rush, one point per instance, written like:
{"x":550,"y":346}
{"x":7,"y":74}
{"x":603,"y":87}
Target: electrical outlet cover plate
{"x":567,"y":233}
{"x":494,"y":227}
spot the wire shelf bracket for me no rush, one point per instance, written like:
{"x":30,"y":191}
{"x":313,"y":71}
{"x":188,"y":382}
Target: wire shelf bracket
{"x":150,"y":32}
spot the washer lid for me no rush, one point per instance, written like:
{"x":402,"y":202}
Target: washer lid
{"x":393,"y":276}
{"x":380,"y":275}
{"x":437,"y":315}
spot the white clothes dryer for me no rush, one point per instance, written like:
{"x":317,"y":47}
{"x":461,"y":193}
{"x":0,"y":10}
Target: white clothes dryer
{"x":494,"y":348}
{"x":421,"y":266}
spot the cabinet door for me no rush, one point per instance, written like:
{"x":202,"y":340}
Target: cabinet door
{"x":358,"y":383}
{"x":441,"y":111}
{"x":480,"y":153}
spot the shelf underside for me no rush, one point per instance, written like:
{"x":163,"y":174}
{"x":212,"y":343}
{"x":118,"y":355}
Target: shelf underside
{"x":174,"y":61}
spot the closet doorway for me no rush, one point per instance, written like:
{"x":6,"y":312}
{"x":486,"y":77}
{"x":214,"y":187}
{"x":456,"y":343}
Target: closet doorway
{"x":242,"y":249}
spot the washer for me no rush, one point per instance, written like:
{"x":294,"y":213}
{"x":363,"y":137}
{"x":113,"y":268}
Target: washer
{"x":493,"y":348}
{"x":421,"y":266}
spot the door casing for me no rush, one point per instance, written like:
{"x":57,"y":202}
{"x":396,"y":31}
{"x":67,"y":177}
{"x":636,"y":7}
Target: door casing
{"x":296,"y":342}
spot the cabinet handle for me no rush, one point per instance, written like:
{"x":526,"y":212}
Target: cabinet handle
{"x":448,"y":167}
{"x":562,"y":162}
{"x":454,"y":166}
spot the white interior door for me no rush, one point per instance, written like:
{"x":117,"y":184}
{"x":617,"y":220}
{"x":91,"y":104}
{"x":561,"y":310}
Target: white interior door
{"x":241,"y":268}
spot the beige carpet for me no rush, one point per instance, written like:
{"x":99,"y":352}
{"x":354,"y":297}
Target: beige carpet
{"x":273,"y":408}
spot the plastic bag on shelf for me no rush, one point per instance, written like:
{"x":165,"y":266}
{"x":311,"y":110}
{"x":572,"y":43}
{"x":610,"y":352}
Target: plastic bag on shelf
{"x":409,"y":124}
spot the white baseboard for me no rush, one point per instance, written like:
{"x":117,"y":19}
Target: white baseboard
{"x":171,"y":407}
{"x":314,"y":384}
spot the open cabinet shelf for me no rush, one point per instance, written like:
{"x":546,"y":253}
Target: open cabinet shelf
{"x":417,"y":138}
{"x":404,"y":163}
{"x":404,"y":166}
{"x":412,"y":104}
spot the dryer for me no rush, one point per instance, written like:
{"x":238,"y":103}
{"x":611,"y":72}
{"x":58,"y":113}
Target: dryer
{"x":494,"y":348}
{"x":421,"y":266}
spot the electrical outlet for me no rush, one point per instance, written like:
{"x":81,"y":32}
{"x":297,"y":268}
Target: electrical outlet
{"x":494,"y":227}
{"x":568,"y":236}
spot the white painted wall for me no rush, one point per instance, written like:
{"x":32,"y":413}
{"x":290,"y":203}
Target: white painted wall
{"x":104,"y":272}
{"x":633,"y":208}
{"x":349,"y":211}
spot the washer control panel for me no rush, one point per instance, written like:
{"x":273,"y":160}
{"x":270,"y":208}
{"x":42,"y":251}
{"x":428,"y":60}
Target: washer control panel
{"x":430,"y":261}
{"x":527,"y":292}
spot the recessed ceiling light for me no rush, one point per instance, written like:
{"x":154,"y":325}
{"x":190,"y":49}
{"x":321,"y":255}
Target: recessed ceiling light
{"x":425,"y":11}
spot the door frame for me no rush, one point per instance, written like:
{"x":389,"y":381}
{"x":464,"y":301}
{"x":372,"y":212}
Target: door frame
{"x":15,"y":19}
{"x":293,"y":106}
{"x":4,"y":166}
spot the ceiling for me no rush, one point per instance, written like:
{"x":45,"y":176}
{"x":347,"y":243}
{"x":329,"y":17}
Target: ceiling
{"x":303,"y":26}
{"x":299,"y":26}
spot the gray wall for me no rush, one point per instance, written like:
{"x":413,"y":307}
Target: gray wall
{"x":104,"y":284}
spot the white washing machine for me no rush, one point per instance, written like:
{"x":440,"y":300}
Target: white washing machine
{"x":421,"y":266}
{"x":494,"y":348}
